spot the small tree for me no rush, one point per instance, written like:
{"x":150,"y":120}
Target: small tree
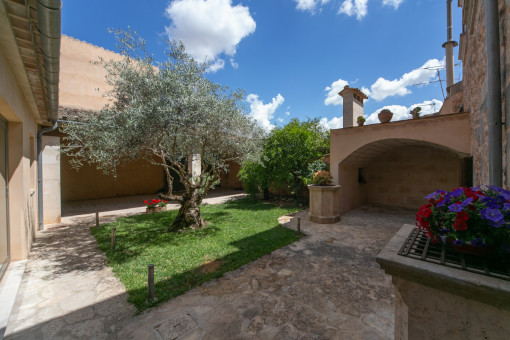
{"x":165,"y":113}
{"x":286,"y":157}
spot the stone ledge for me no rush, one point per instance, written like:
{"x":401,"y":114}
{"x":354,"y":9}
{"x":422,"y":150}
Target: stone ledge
{"x":485,"y":289}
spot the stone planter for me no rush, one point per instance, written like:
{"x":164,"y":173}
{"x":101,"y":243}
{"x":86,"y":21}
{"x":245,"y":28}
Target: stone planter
{"x":324,"y":203}
{"x":441,"y":302}
{"x":154,"y":210}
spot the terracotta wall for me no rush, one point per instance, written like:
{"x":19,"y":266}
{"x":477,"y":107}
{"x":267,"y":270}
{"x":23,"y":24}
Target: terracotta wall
{"x":136,"y":178}
{"x":472,"y":52}
{"x":82,"y":81}
{"x":230,"y":180}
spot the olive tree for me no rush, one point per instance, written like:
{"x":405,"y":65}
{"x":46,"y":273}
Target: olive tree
{"x":165,"y":113}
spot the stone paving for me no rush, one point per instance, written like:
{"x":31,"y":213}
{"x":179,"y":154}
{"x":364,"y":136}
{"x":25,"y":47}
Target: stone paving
{"x":325,"y":286}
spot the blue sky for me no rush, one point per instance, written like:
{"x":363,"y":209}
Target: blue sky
{"x":293,"y":56}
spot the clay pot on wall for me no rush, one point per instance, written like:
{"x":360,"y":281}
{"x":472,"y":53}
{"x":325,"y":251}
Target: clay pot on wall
{"x":385,"y":116}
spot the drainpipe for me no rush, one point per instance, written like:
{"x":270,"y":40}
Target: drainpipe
{"x":494,"y":93}
{"x":39,"y":172}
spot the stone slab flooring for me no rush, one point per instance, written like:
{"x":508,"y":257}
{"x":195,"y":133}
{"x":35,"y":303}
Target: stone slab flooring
{"x":325,"y":286}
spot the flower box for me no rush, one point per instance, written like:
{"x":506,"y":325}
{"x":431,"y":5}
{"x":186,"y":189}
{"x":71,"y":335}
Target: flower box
{"x":154,"y":210}
{"x":476,"y":217}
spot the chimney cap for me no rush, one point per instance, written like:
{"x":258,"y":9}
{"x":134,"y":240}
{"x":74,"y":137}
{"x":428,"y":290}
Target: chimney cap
{"x":348,"y":89}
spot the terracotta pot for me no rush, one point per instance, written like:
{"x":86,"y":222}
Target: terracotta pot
{"x":361,"y":123}
{"x":154,"y":210}
{"x":385,"y":116}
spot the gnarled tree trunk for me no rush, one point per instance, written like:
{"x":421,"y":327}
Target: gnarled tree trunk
{"x":189,"y":212}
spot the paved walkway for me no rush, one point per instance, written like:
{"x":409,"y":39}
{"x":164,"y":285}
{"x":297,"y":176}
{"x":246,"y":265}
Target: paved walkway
{"x":326,"y":286}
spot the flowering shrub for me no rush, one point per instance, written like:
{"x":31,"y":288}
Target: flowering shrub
{"x":476,"y":216}
{"x":322,"y":178}
{"x":155,"y":203}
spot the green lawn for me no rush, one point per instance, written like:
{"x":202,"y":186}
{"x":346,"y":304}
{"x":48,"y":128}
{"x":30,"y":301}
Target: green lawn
{"x":237,"y":232}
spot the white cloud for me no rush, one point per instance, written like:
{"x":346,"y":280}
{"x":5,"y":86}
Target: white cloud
{"x":263,"y":113}
{"x":209,"y":27}
{"x":384,"y":88}
{"x":280,"y":120}
{"x":233,"y":63}
{"x":306,"y":5}
{"x":354,"y":7}
{"x":394,"y":3}
{"x":332,"y":97}
{"x":287,"y":113}
{"x":218,"y":64}
{"x":401,"y":112}
{"x":334,"y":123}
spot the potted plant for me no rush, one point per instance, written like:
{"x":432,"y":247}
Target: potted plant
{"x":155,"y":205}
{"x":385,"y":116}
{"x":416,"y":112}
{"x":322,"y":178}
{"x":361,"y":120}
{"x":324,"y":199}
{"x":475,"y":220}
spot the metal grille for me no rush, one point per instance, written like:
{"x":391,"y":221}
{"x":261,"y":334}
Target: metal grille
{"x":418,"y":246}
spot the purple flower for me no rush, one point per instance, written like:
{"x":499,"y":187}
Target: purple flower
{"x":443,"y":238}
{"x":506,"y":206}
{"x":455,"y":207}
{"x":457,"y":242}
{"x":493,"y":216}
{"x":435,"y":194}
{"x":457,"y":192}
{"x":440,"y":204}
{"x":467,"y":202}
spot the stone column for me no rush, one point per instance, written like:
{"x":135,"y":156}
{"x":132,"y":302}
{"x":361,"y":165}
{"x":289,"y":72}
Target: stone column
{"x":51,"y":179}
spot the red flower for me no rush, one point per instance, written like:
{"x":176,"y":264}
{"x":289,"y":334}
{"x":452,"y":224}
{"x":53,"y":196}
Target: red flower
{"x":461,"y":221}
{"x":145,"y":201}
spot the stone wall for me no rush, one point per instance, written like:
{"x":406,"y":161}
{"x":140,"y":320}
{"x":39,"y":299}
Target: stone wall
{"x":472,"y":52}
{"x":403,"y":177}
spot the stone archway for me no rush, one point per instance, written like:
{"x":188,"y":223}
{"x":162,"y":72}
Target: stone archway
{"x":399,"y":172}
{"x":395,"y":163}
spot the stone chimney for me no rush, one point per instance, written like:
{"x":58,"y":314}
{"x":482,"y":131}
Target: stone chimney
{"x":353,"y":105}
{"x":448,"y":46}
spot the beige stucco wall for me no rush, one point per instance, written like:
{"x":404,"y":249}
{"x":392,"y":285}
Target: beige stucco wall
{"x":51,"y":179}
{"x":136,"y":178}
{"x":472,"y":52}
{"x":82,"y":81}
{"x":22,"y":132}
{"x":450,"y":131}
{"x":402,"y":161}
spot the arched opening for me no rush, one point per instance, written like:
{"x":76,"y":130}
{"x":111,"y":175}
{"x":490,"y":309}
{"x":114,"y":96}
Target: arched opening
{"x":400,"y":172}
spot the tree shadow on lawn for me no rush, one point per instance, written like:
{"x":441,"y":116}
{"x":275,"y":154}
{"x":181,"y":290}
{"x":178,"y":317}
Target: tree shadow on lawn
{"x":134,"y":234}
{"x":251,"y":204}
{"x":248,"y":249}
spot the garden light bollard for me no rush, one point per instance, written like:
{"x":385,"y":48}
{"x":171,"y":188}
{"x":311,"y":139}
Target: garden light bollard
{"x":114,"y":238}
{"x":299,"y":226}
{"x":150,"y":283}
{"x":97,"y":219}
